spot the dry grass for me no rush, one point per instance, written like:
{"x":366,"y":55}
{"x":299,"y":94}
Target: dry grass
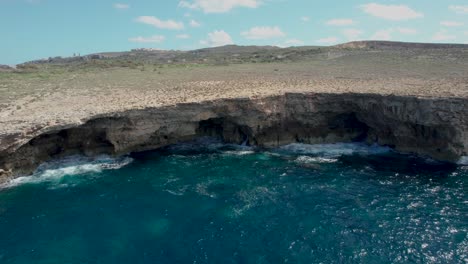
{"x":60,"y":95}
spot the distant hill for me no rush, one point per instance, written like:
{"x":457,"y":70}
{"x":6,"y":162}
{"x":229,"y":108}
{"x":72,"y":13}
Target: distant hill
{"x":236,"y":49}
{"x":234,"y":54}
{"x":397,"y":45}
{"x":5,"y":68}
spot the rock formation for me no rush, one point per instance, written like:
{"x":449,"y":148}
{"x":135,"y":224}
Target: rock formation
{"x":436,"y":127}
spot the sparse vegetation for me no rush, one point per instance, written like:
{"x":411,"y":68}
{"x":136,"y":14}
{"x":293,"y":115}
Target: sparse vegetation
{"x":27,"y":67}
{"x":229,"y":55}
{"x":304,"y":65}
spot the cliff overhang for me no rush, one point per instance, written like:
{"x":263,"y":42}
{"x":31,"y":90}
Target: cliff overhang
{"x":435,"y":127}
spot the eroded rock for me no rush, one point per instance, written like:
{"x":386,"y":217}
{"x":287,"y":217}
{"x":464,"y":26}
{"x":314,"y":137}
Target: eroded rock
{"x":435,"y":127}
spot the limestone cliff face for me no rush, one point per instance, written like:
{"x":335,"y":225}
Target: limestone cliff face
{"x":436,"y":127}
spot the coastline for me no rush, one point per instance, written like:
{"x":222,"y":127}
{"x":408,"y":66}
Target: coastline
{"x":432,"y":127}
{"x":413,"y":99}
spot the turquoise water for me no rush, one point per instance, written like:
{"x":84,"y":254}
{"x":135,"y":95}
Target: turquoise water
{"x":214,"y":203}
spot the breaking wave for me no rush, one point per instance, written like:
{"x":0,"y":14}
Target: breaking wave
{"x":463,"y":161}
{"x":56,"y":170}
{"x":209,"y":144}
{"x":307,"y":159}
{"x":239,"y":152}
{"x":334,"y":150}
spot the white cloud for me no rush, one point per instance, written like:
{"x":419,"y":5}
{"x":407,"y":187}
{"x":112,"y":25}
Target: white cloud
{"x":263,"y":33}
{"x":217,"y":38}
{"x":459,"y":9}
{"x":391,"y":12}
{"x":294,"y":42}
{"x":156,"y":22}
{"x":329,"y":40}
{"x":152,"y":39}
{"x":305,"y":19}
{"x":121,"y":6}
{"x":407,"y":31}
{"x":219,"y":6}
{"x":340,"y":22}
{"x":384,"y":34}
{"x":443,"y":36}
{"x":451,"y":23}
{"x":183,"y":36}
{"x":194,"y":23}
{"x":352,"y":33}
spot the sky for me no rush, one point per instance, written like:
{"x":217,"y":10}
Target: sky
{"x":35,"y":29}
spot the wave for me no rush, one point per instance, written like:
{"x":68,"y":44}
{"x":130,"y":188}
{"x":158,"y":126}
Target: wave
{"x":55,"y":171}
{"x":239,"y":152}
{"x":334,"y":150}
{"x":308,"y":159}
{"x":463,"y":161}
{"x":210,"y":144}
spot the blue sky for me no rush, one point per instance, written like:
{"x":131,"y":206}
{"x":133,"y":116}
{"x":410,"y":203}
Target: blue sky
{"x":33,"y":29}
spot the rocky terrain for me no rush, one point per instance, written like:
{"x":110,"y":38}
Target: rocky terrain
{"x":412,"y":97}
{"x":5,"y":68}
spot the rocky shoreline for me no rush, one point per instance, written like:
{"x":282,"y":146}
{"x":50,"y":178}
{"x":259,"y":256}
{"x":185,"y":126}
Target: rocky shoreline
{"x":412,"y":97}
{"x":429,"y":126}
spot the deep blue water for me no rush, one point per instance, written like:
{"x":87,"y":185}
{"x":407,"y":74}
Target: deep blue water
{"x":342,"y":203}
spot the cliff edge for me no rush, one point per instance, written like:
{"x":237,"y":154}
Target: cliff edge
{"x":414,"y":100}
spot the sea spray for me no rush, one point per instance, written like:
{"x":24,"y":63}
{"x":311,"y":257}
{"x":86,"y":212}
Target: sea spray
{"x":334,"y":150}
{"x":54,"y":171}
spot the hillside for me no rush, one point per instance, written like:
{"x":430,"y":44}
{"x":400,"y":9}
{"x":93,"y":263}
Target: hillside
{"x":397,"y":45}
{"x":233,"y":54}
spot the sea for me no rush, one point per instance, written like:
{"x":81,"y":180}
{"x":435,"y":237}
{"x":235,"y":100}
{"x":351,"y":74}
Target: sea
{"x":209,"y":202}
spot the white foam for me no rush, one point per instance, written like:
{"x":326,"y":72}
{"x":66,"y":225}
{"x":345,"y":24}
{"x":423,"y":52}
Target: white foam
{"x":334,"y":150}
{"x":307,"y":159}
{"x":54,"y":171}
{"x":210,"y":144}
{"x":463,"y":161}
{"x":239,"y":152}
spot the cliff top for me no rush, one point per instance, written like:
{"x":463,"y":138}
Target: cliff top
{"x":55,"y":93}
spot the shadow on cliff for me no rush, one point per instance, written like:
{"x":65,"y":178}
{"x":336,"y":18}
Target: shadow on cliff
{"x":408,"y":124}
{"x":403,"y":164}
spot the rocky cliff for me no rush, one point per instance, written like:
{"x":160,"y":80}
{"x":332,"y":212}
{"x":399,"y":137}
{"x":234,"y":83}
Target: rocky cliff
{"x":436,"y":127}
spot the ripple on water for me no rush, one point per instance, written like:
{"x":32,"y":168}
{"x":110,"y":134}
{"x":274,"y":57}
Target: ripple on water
{"x":332,"y":203}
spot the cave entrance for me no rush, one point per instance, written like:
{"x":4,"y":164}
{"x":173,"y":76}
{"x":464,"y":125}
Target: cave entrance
{"x":80,"y":140}
{"x":226,"y":130}
{"x":348,"y":125}
{"x":211,"y":128}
